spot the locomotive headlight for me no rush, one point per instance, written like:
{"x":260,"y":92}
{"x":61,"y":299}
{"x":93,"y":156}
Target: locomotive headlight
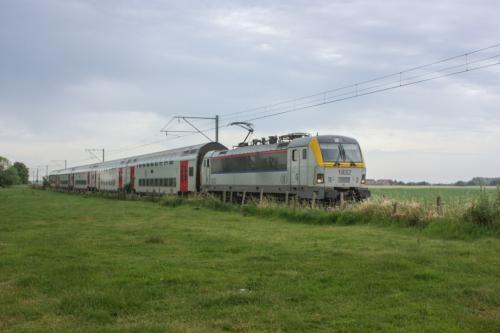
{"x":363,"y":179}
{"x":320,"y":178}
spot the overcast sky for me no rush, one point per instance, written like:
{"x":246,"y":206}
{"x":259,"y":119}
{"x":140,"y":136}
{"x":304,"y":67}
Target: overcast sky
{"x":92,"y":74}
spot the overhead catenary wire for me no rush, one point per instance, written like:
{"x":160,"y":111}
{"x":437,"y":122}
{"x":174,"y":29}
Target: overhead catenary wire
{"x":346,"y":92}
{"x":352,"y":85}
{"x":364,"y":92}
{"x":320,"y":100}
{"x":357,"y":90}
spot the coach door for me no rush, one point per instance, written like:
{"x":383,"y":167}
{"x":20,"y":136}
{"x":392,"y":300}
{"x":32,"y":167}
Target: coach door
{"x":132,"y":177}
{"x":294,"y":157}
{"x":206,"y":168}
{"x":184,"y":177}
{"x":120,"y":179}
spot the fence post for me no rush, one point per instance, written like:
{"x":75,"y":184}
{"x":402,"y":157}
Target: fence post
{"x":342,"y":199}
{"x":313,"y":204}
{"x":439,"y":205}
{"x":243,"y":198}
{"x":231,"y":197}
{"x":286,"y":198}
{"x":261,"y":196}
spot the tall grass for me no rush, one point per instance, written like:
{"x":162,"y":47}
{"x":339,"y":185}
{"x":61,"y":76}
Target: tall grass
{"x":480,"y":216}
{"x":485,"y":210}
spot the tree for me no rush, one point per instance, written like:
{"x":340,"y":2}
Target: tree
{"x":9,"y":177}
{"x":4,"y":163}
{"x":22,"y":171}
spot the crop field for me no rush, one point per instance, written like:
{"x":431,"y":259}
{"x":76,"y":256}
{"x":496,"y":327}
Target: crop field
{"x":70,"y":263}
{"x":426,"y":195}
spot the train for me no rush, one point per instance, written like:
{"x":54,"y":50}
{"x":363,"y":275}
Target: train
{"x":327,"y":168}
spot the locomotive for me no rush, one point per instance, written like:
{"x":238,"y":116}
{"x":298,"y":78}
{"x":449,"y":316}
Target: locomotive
{"x":322,"y":167}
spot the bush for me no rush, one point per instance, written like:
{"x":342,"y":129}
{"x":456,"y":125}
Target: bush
{"x":485,"y":211}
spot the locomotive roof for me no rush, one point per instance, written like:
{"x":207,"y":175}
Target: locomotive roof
{"x":250,"y":149}
{"x":304,"y":141}
{"x":188,"y":152}
{"x":299,"y":142}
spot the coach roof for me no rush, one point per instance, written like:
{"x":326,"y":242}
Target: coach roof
{"x":188,"y":152}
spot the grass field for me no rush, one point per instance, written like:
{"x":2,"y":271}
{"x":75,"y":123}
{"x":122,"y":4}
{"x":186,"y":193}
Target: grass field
{"x":74,"y":264}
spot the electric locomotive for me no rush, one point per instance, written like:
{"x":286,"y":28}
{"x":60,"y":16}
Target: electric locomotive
{"x":325,"y":167}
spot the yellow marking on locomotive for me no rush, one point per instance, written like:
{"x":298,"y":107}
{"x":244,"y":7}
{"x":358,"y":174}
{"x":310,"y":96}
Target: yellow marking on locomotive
{"x":314,"y":145}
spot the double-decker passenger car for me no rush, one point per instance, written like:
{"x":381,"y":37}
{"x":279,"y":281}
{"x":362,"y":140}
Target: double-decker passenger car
{"x":169,"y":172}
{"x":322,"y":167}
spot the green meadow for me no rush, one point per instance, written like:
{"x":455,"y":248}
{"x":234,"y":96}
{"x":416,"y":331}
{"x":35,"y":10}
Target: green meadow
{"x":72,"y":263}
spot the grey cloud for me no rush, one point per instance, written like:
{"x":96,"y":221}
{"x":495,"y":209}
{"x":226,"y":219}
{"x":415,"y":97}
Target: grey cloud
{"x":66,"y":65}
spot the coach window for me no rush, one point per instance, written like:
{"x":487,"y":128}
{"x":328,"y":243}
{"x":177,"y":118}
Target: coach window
{"x":294,"y":155}
{"x":304,"y":154}
{"x":191,"y":171}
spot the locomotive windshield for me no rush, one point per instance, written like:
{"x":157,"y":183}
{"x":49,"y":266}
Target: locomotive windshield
{"x":336,"y":152}
{"x":330,"y":152}
{"x":352,"y":153}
